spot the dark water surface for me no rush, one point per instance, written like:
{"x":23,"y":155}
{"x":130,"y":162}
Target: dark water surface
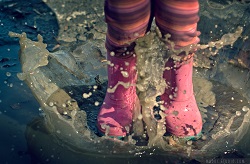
{"x":18,"y":107}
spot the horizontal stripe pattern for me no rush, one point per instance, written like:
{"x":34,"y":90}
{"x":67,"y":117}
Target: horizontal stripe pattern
{"x":128,"y":20}
{"x":178,"y":18}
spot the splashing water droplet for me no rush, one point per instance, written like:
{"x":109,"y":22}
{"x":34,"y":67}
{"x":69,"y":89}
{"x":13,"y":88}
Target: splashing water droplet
{"x":11,"y":85}
{"x":245,"y":109}
{"x":140,"y":117}
{"x":189,"y":143}
{"x":51,"y":104}
{"x":8,"y":74}
{"x":124,"y":73}
{"x":97,"y":103}
{"x":86,"y":95}
{"x":238,"y":113}
{"x":171,"y":96}
{"x":112,"y":53}
{"x":127,"y":129}
{"x":204,"y":137}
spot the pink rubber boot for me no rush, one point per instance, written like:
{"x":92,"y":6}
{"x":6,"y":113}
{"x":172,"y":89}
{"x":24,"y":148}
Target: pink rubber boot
{"x":116,"y":114}
{"x":183,"y":118}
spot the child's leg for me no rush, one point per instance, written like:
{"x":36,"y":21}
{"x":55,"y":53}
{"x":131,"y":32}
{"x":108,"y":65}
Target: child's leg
{"x":127,"y":20}
{"x":179,"y":18}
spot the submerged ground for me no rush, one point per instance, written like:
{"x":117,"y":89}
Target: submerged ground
{"x":62,"y":23}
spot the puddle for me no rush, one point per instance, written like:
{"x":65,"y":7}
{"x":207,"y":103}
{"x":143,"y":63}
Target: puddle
{"x":18,"y":107}
{"x":70,"y":98}
{"x":61,"y":128}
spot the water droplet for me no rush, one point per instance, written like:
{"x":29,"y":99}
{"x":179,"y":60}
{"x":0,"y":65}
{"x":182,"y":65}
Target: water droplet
{"x":245,"y":109}
{"x":127,"y":129}
{"x":50,"y":104}
{"x":8,"y":74}
{"x":97,"y":103}
{"x":204,"y":137}
{"x":168,"y":68}
{"x":140,"y":117}
{"x":112,"y":53}
{"x":87,"y":95}
{"x":175,"y":113}
{"x":238,"y":113}
{"x":69,"y":102}
{"x":124,"y":73}
{"x":171,"y":96}
{"x":189,"y":142}
{"x":136,"y":34}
